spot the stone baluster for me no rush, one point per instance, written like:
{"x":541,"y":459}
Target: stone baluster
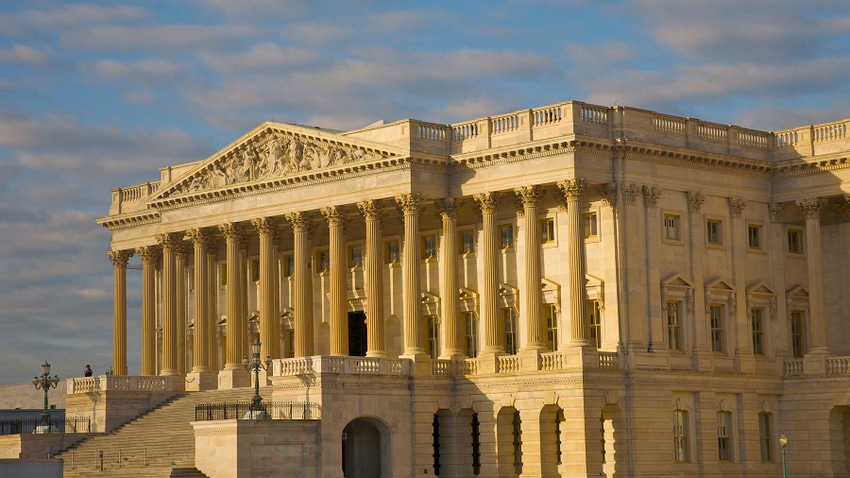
{"x":119,"y":321}
{"x":812,"y":209}
{"x":530,"y":197}
{"x":375,"y":346}
{"x":303,"y":304}
{"x":572,"y":189}
{"x":150,"y":257}
{"x":453,"y":325}
{"x":411,"y":205}
{"x":493,"y":327}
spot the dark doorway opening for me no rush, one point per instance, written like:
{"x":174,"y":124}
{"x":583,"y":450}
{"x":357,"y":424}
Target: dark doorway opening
{"x":357,"y":334}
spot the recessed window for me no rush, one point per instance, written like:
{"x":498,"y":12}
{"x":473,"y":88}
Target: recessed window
{"x":393,"y":252}
{"x":471,"y":334}
{"x":672,"y":226}
{"x":754,"y":236}
{"x":222,"y":274}
{"x":591,"y":227}
{"x":466,"y":242}
{"x":506,"y":236}
{"x":289,"y":343}
{"x":680,"y":436}
{"x":509,"y":316}
{"x":716,"y":319}
{"x":714,"y":232}
{"x":550,"y":318}
{"x":757,"y":318}
{"x":674,"y":340}
{"x":798,"y":335}
{"x":547,"y":230}
{"x":433,"y":336}
{"x":594,"y":323}
{"x":288,"y":265}
{"x":429,"y":246}
{"x":765,"y":437}
{"x":795,"y":241}
{"x":255,"y":270}
{"x":355,"y":256}
{"x":724,"y":436}
{"x":323,"y":261}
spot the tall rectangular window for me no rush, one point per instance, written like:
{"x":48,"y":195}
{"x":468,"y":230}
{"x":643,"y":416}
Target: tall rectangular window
{"x":355,"y":256}
{"x":471,"y":334}
{"x":594,"y":323}
{"x":288,"y":265}
{"x":754,"y":236}
{"x":724,"y":436}
{"x":506,"y":236}
{"x":517,"y":439}
{"x":509,"y":316}
{"x":758,"y":331}
{"x":550,"y":318}
{"x":255,"y":270}
{"x":547,"y":230}
{"x":714,"y":232}
{"x":795,"y":241}
{"x":680,"y":436}
{"x":671,"y":227}
{"x":798,"y":336}
{"x":466,"y":242}
{"x":674,"y":341}
{"x":323,"y":261}
{"x":433,"y":336}
{"x":289,"y":343}
{"x":591,"y":226}
{"x":222,"y":274}
{"x":393,"y":252}
{"x":429,"y":246}
{"x":716,"y":319}
{"x":764,"y":437}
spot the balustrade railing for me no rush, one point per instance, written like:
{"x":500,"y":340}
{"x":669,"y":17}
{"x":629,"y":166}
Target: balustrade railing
{"x":264,"y":411}
{"x":669,"y":124}
{"x":504,"y":123}
{"x":467,"y":366}
{"x":551,"y":361}
{"x":547,"y":115}
{"x":464,"y":131}
{"x":432,"y":131}
{"x":793,"y":368}
{"x":608,"y":360}
{"x":838,"y":365}
{"x":343,"y":365}
{"x":829,"y":132}
{"x":711,"y":132}
{"x":508,"y":364}
{"x":124,"y":383}
{"x":593,"y":114}
{"x":28,"y":425}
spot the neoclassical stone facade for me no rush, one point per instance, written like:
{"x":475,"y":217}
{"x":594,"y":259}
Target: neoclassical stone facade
{"x":560,"y":291}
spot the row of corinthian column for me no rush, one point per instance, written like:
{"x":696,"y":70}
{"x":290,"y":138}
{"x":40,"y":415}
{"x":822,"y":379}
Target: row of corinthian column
{"x":171,"y":252}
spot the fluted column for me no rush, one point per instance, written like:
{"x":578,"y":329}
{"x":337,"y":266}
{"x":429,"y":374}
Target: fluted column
{"x":268,"y":273}
{"x":493,"y":326}
{"x":411,"y":205}
{"x":150,"y":257}
{"x":338,"y":309}
{"x":200,"y":350}
{"x":180,"y":293}
{"x":375,"y":340}
{"x":448,"y":278}
{"x":530,"y":197}
{"x":274,"y":346}
{"x":169,"y":304}
{"x":119,"y":317}
{"x":233,"y":235}
{"x":302,"y":304}
{"x":212,"y":304}
{"x":812,"y":209}
{"x":572,"y":189}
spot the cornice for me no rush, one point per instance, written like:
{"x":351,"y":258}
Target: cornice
{"x":113,"y":223}
{"x":800,"y":167}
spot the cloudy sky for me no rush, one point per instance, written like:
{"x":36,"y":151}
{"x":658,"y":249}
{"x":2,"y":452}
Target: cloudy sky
{"x":98,"y":95}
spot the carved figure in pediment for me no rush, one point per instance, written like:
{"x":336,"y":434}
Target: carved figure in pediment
{"x":312,"y":156}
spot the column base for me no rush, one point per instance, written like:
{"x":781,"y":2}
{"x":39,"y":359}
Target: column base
{"x":488,"y":362}
{"x":814,"y":362}
{"x":420,"y":363}
{"x":234,"y":378}
{"x":529,"y":359}
{"x":200,"y":381}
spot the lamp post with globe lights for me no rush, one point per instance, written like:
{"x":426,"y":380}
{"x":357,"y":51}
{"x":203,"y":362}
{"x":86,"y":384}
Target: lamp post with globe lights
{"x":783,"y":440}
{"x":255,"y":365}
{"x":45,"y":382}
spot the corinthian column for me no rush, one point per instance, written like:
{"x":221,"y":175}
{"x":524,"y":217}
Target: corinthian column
{"x":572,"y":189}
{"x":119,"y":318}
{"x":448,"y":277}
{"x":302,"y":304}
{"x":150,"y":257}
{"x":530,"y":197}
{"x":233,"y":235}
{"x":374,"y":284}
{"x":268,"y":279}
{"x":180,"y":292}
{"x":339,"y":312}
{"x":812,"y":208}
{"x":169,"y":304}
{"x":212,"y":304}
{"x":411,"y":205}
{"x":493,"y":327}
{"x":200,"y":349}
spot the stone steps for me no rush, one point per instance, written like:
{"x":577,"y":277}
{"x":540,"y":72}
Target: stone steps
{"x":152,"y":444}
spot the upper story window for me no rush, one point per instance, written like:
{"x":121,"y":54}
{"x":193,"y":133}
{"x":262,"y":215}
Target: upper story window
{"x":323,"y":261}
{"x":547,"y":230}
{"x":550,"y":318}
{"x":509,"y":316}
{"x":757,"y":317}
{"x":594,"y":323}
{"x":765,"y":437}
{"x":798,"y":336}
{"x":680,"y":436}
{"x":255,"y":270}
{"x":466,"y":242}
{"x":288,"y":265}
{"x":433,"y":336}
{"x":393,"y":252}
{"x":591,"y":225}
{"x":672,"y":226}
{"x":724,"y":436}
{"x":795,"y":241}
{"x":471,"y":334}
{"x":355,"y":256}
{"x":714,"y":232}
{"x":429,"y":246}
{"x":674,"y":341}
{"x":506,"y":236}
{"x":222,"y":274}
{"x":754,"y":236}
{"x":716,"y":319}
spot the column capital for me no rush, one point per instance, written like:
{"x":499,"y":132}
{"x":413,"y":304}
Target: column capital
{"x":180,"y":249}
{"x":199,"y":236}
{"x":369,"y":209}
{"x":573,"y":189}
{"x":843,"y":211}
{"x":410,"y":204}
{"x":630,"y":193}
{"x":148,"y":254}
{"x":334,"y":216}
{"x":300,"y":221}
{"x":529,"y":196}
{"x":169,"y":240}
{"x":811,"y":207}
{"x":487,"y":201}
{"x":695,"y":201}
{"x":651,"y":195}
{"x":119,"y":258}
{"x":776,"y":209}
{"x":264,"y":225}
{"x":737,"y":206}
{"x":232,"y":231}
{"x":609,"y":194}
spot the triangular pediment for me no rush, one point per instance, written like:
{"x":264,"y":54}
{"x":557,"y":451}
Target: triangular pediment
{"x":760,"y":288}
{"x":719,"y":285}
{"x":677,"y":280}
{"x":270,"y":152}
{"x":797,"y":292}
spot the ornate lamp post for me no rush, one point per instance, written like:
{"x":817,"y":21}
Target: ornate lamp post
{"x":45,"y":383}
{"x":783,"y":440}
{"x":255,"y":365}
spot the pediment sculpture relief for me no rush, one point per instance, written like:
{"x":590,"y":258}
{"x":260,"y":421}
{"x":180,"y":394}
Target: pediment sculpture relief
{"x":274,"y":155}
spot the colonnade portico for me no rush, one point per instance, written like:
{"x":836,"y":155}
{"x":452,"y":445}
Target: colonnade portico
{"x":266,"y":230}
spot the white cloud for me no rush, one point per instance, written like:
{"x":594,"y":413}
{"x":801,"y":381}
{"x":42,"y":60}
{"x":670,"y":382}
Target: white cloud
{"x":263,"y":56}
{"x":68,"y":16}
{"x":25,"y":55}
{"x":145,"y":70}
{"x":158,"y":37}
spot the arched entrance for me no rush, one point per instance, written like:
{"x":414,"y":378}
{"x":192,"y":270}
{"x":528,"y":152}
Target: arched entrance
{"x":365,"y":449}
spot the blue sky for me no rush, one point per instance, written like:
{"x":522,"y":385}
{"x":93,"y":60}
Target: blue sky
{"x":98,"y":95}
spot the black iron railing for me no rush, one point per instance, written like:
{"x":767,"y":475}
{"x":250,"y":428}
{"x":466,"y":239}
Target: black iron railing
{"x":263,"y":411}
{"x":20,"y":426}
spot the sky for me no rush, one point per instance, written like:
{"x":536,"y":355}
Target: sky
{"x":99,"y":95}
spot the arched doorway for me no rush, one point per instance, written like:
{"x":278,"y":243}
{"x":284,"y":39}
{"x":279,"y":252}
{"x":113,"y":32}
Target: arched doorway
{"x":365,"y":449}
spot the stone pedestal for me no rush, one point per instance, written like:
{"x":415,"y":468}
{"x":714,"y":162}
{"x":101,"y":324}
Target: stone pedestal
{"x":233,"y":378}
{"x":200,"y":381}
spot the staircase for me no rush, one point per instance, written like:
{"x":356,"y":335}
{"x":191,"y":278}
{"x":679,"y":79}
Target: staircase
{"x":159,"y":443}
